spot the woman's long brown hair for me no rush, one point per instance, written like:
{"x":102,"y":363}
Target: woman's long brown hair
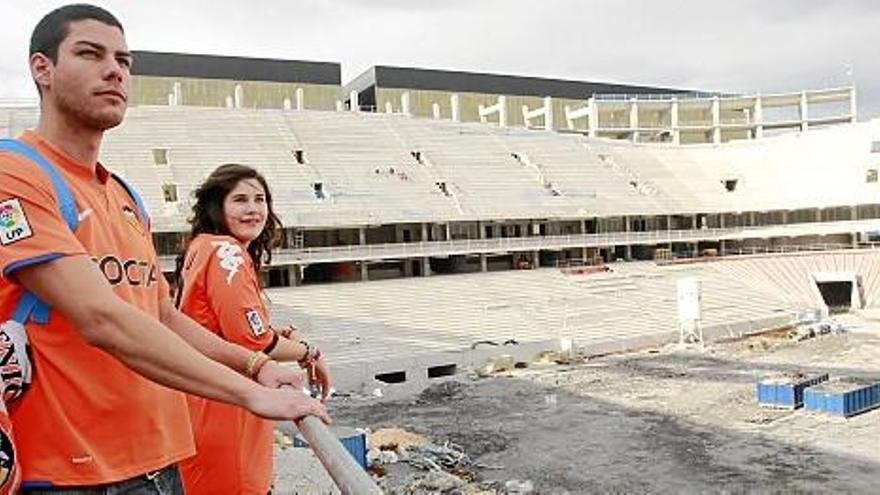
{"x":208,"y":218}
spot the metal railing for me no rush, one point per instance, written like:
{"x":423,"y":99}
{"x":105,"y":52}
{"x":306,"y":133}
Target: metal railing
{"x":349,"y":476}
{"x":376,"y":252}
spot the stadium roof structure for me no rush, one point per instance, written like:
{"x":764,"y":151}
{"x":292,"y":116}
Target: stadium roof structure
{"x":381,"y":76}
{"x":164,"y":64}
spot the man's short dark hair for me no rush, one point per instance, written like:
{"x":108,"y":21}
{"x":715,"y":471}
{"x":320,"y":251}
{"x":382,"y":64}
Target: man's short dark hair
{"x":55,"y":26}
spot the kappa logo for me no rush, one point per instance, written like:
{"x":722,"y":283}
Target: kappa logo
{"x":230,"y":258}
{"x":14,"y":224}
{"x":255,"y":322}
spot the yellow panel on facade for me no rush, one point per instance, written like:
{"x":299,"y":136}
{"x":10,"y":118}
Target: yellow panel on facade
{"x":154,"y":90}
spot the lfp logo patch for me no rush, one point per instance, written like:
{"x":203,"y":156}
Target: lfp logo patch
{"x":14,"y":225}
{"x":255,"y":322}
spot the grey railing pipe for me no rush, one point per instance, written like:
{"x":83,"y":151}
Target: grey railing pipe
{"x":349,"y":476}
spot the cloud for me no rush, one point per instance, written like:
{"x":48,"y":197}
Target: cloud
{"x":743,"y":46}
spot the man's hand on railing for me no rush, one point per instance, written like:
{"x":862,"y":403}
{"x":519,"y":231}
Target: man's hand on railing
{"x":286,"y":403}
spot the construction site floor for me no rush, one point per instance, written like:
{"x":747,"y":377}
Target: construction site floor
{"x":661,"y":420}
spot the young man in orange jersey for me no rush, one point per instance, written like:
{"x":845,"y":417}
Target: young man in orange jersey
{"x":102,"y":411}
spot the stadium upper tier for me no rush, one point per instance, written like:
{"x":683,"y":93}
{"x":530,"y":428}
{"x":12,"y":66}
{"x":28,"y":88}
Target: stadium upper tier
{"x":335,"y":169}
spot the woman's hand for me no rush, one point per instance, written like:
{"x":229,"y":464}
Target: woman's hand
{"x":273,"y":375}
{"x":319,"y":376}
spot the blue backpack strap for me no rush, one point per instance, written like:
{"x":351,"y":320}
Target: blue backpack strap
{"x":62,"y":191}
{"x":142,"y":207}
{"x":29,"y":305}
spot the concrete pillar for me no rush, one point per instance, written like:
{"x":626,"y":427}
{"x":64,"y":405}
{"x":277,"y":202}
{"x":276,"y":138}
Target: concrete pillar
{"x":300,"y":99}
{"x":435,"y":110}
{"x":484,"y":258}
{"x":408,"y":268}
{"x":759,"y":117}
{"x":804,"y":112}
{"x":426,"y":267}
{"x":362,"y":237}
{"x":853,"y":108}
{"x":456,"y":108}
{"x":389,"y":108}
{"x":448,"y":232}
{"x":502,"y":111}
{"x":238,"y":96}
{"x":354,"y":104}
{"x":295,"y":275}
{"x":634,"y":119}
{"x":536,"y":260}
{"x":628,"y":248}
{"x":853,"y":213}
{"x":784,"y":217}
{"x":584,"y":252}
{"x":593,"y":117}
{"x":404,"y":103}
{"x":676,"y":130}
{"x":177,"y":94}
{"x":286,"y":104}
{"x":818,"y":215}
{"x":716,"y":120}
{"x":549,"y":123}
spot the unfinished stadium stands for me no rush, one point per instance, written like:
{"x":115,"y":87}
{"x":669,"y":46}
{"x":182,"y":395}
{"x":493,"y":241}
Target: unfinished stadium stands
{"x":778,"y":193}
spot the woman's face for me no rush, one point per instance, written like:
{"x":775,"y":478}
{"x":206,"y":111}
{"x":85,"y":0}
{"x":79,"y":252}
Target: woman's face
{"x":245,"y":210}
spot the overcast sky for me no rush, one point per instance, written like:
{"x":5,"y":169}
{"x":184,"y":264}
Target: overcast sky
{"x":737,"y":46}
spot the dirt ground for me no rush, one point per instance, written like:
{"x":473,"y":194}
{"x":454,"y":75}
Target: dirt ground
{"x":665,"y":420}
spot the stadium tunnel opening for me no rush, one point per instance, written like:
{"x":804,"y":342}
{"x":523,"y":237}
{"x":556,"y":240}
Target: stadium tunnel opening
{"x":837,"y":295}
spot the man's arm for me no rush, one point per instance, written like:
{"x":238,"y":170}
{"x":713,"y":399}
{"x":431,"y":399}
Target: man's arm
{"x":222,"y":351}
{"x":76,"y":288}
{"x":208,"y":343}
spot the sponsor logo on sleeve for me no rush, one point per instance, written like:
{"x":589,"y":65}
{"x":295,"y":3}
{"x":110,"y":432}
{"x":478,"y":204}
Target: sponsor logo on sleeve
{"x":255,"y":322}
{"x":14,"y":224}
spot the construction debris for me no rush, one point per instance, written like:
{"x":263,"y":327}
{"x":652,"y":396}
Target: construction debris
{"x":432,"y":483}
{"x":518,"y":487}
{"x":807,"y":332}
{"x":504,"y":362}
{"x":394,"y":439}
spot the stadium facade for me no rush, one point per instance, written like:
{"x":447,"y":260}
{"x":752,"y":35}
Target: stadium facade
{"x":407,"y":172}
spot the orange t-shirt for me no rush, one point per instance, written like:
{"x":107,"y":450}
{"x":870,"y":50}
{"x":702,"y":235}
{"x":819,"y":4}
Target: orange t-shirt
{"x":222,"y":293}
{"x":86,"y":419}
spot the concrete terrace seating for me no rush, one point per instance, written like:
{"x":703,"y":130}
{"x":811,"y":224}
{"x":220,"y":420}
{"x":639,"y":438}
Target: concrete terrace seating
{"x":419,"y":316}
{"x":362,"y":165}
{"x":789,"y":276}
{"x":477,"y":161}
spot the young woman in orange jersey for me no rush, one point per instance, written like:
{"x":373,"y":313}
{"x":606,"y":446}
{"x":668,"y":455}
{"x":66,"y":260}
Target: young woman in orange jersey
{"x":234,"y":229}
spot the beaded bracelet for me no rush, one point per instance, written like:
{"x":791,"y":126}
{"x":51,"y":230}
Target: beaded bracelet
{"x":311,"y":356}
{"x":255,"y":363}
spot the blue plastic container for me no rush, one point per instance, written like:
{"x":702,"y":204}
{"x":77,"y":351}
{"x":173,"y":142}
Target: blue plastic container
{"x":844,"y":397}
{"x":786,"y":390}
{"x":355,"y":443}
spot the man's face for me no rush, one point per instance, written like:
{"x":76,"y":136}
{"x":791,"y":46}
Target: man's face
{"x":89,"y":83}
